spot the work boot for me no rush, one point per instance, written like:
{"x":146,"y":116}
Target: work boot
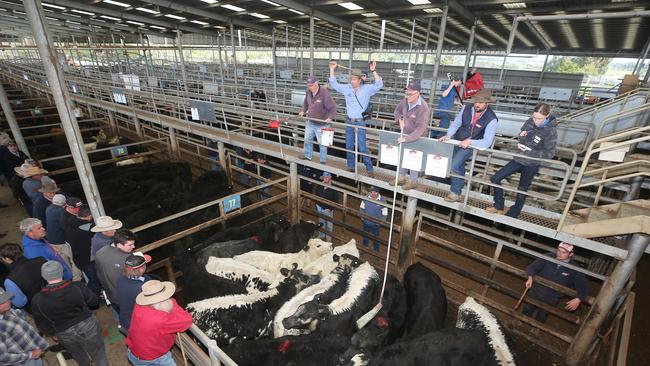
{"x":411,"y":184}
{"x":494,"y":210}
{"x":400,"y":181}
{"x":452,"y":197}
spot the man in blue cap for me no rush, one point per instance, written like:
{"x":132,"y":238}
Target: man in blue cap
{"x":371,"y":207}
{"x":322,"y":207}
{"x":320,"y":108}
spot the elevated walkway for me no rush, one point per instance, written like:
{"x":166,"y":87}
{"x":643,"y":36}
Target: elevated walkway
{"x":632,"y":217}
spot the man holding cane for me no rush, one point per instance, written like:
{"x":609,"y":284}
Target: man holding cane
{"x":320,"y":109}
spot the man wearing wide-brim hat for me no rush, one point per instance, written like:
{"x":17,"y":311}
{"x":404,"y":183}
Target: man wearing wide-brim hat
{"x":32,"y":183}
{"x":475,"y":126}
{"x":48,"y":190}
{"x":104,"y":229}
{"x":155,"y":321}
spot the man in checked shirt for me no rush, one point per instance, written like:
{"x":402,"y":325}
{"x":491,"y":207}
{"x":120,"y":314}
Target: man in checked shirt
{"x":20,"y":344}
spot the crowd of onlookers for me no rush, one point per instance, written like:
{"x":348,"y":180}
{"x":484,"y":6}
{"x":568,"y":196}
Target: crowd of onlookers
{"x":68,"y":265}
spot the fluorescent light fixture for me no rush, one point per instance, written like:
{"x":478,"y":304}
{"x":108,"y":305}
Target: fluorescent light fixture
{"x":175,"y":17}
{"x":74,"y":15}
{"x":370,"y":15}
{"x":53,"y":6}
{"x":350,"y":6}
{"x":198,"y":22}
{"x":135,"y":23}
{"x":82,"y":12}
{"x":419,"y":2}
{"x":514,"y":5}
{"x":433,"y":10}
{"x":233,"y":7}
{"x":271,"y":2}
{"x":280,"y":21}
{"x":210,"y":1}
{"x":146,"y":10}
{"x":113,"y":2}
{"x":70,"y":21}
{"x":258,"y":15}
{"x":220,"y":27}
{"x":50,"y":18}
{"x":296,"y":11}
{"x":110,"y":18}
{"x":157,"y":27}
{"x":316,"y":19}
{"x":121,"y":25}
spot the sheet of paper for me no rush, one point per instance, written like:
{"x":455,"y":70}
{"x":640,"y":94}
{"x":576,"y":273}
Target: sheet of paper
{"x":436,"y":166}
{"x":389,"y":154}
{"x":327,"y":136}
{"x":195,"y":114}
{"x":412,"y":159}
{"x":456,"y":142}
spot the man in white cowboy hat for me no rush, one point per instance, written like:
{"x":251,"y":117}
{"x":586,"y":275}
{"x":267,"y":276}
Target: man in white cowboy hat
{"x":32,"y":182}
{"x":155,"y":321}
{"x":104,"y":230}
{"x":475,"y":126}
{"x":48,"y":190}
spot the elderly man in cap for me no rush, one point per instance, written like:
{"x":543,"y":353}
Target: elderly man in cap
{"x":32,"y":183}
{"x":109,"y":262}
{"x":559,"y":274}
{"x":475,"y":127}
{"x":104,"y":229}
{"x":24,"y":278}
{"x":371,"y":207}
{"x":412,"y":113}
{"x":63,"y":309}
{"x":156,"y":320}
{"x":55,"y":214}
{"x":320,"y":108}
{"x":357,"y":99}
{"x":20,"y":344}
{"x":322,"y":207}
{"x":130,"y":285}
{"x":47,"y":192}
{"x":35,"y":245}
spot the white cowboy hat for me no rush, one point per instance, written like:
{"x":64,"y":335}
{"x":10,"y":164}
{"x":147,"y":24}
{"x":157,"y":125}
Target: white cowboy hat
{"x":106,"y":223}
{"x":28,"y":170}
{"x":154,"y":291}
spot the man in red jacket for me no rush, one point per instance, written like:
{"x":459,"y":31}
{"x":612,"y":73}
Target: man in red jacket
{"x":473,"y":83}
{"x":155,"y":321}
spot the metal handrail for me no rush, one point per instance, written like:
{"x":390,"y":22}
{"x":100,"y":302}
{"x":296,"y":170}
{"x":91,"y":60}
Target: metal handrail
{"x":593,"y":150}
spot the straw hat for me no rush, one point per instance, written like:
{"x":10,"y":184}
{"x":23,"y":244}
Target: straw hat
{"x":48,"y":185}
{"x":356,"y":72}
{"x":106,"y":223}
{"x":154,"y":292}
{"x":483,"y":96}
{"x":28,"y":170}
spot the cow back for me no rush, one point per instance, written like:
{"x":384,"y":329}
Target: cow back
{"x":426,"y":301}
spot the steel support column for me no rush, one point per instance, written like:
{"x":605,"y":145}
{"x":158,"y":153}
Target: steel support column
{"x":223,"y":161}
{"x":351,"y":47}
{"x":64,"y":105}
{"x":426,"y":48}
{"x":436,"y":63}
{"x":234,"y":54}
{"x":607,"y":296}
{"x":112,"y":122}
{"x":11,"y":119}
{"x":294,"y":194}
{"x":408,"y":222}
{"x":541,"y":75}
{"x":511,"y":40}
{"x":635,"y":189}
{"x":179,"y":44}
{"x":641,"y":59}
{"x":275,"y":71}
{"x":311,"y":44}
{"x":470,"y":47}
{"x":173,"y":143}
{"x":138,"y":128}
{"x":383,"y":33}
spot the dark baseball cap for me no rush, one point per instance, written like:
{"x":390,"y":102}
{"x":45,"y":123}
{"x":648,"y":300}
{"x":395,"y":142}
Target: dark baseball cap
{"x":73,"y":201}
{"x":414,"y":85}
{"x":136,"y":260}
{"x":311,"y":80}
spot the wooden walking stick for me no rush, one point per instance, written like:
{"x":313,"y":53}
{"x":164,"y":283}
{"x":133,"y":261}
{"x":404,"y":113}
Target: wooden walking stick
{"x":180,"y":342}
{"x":522,"y":298}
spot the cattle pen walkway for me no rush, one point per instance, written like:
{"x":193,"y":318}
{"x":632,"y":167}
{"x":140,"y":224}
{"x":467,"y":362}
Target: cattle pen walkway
{"x":476,"y":253}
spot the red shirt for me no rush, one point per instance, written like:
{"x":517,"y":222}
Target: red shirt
{"x":152,"y":332}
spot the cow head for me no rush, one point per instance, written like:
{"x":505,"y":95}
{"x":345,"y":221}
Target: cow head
{"x":307,"y":316}
{"x":298,"y":278}
{"x":353,"y":357}
{"x":317,"y":247}
{"x":346,"y":261}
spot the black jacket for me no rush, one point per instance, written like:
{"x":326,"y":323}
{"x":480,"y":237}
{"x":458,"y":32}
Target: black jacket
{"x":541,"y":140}
{"x":26,"y":274}
{"x":79,"y":239}
{"x":328,"y":194}
{"x":59,"y":306}
{"x":9,"y":161}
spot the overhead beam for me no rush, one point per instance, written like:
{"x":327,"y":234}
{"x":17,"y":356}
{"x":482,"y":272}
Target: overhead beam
{"x":317,"y":13}
{"x":177,"y":5}
{"x":461,"y":11}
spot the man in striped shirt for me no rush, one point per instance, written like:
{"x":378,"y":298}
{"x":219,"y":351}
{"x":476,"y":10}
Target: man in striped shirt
{"x":20,"y":344}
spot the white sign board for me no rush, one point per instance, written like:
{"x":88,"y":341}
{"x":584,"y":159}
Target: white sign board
{"x":210,"y":88}
{"x":297,"y":97}
{"x":615,"y":155}
{"x":119,"y":98}
{"x":559,"y":94}
{"x":286,"y":74}
{"x":131,"y":82}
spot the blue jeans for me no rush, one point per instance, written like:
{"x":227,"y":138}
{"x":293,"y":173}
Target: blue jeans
{"x":36,"y":362}
{"x":164,"y":360}
{"x":314,"y":129}
{"x":264,"y":192}
{"x":458,"y":167}
{"x":444,"y":117}
{"x":84,"y":341}
{"x":371,"y":228}
{"x":328,"y":225}
{"x":528,"y":172}
{"x":349,"y":144}
{"x":93,"y":280}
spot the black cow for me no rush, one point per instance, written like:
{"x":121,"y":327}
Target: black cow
{"x":426,"y":301}
{"x":247,"y":316}
{"x":198,"y":284}
{"x":296,"y":237}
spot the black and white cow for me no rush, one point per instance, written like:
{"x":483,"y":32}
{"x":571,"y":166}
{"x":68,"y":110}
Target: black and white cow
{"x":426,"y":301}
{"x":253,"y":278}
{"x":227,"y":249}
{"x":339,"y":315}
{"x":198,"y":284}
{"x":272,"y":262}
{"x":245,"y":316}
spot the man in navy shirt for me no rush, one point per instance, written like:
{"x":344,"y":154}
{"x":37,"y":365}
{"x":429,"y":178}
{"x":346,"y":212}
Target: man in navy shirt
{"x":446,"y":105}
{"x":130,"y":285}
{"x":559,"y":274}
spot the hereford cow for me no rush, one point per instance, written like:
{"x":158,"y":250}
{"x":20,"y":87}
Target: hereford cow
{"x":426,"y":301}
{"x":247,"y":316}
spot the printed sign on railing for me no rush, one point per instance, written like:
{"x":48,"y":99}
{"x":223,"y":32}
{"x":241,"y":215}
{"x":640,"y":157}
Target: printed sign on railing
{"x":232,"y":203}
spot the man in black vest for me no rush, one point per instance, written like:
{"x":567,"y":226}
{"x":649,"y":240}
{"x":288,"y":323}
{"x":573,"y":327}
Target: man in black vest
{"x":475,"y":126}
{"x":24,"y":279}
